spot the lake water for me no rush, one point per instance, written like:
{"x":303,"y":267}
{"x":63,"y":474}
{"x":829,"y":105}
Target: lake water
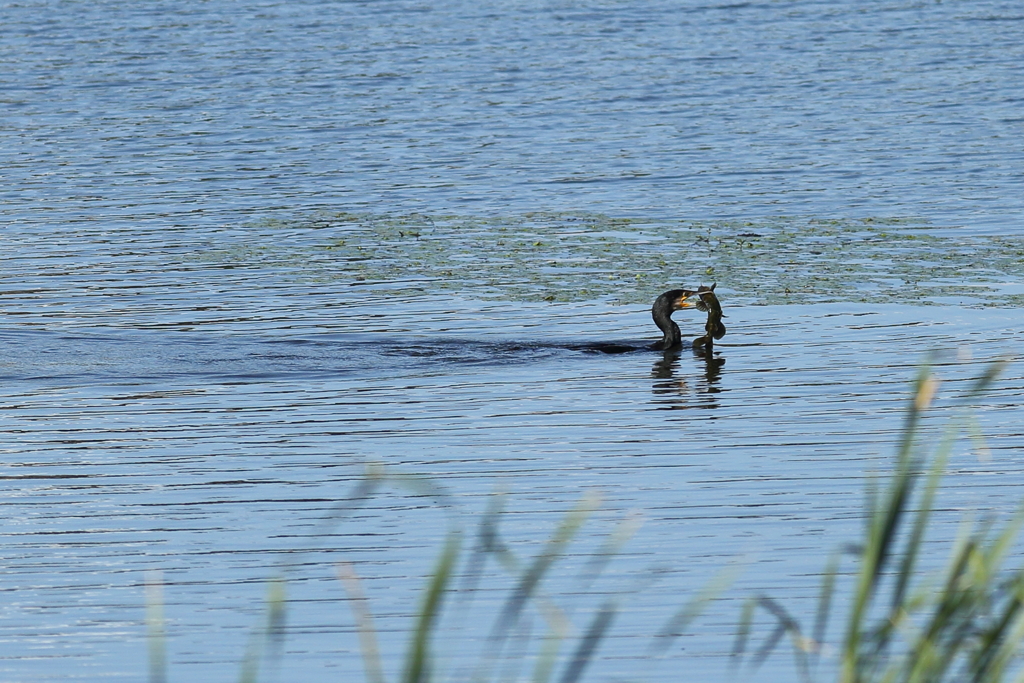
{"x":252,"y":250}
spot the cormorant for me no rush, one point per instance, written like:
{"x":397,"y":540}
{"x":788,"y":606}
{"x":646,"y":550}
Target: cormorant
{"x":664,"y":306}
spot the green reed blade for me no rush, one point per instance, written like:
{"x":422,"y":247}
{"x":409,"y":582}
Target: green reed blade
{"x":156,"y":627}
{"x":588,"y":644}
{"x":531,"y":577}
{"x":417,"y":660}
{"x":271,"y":629}
{"x":920,"y":523}
{"x":488,"y":543}
{"x":677,"y":623}
{"x":611,"y":547}
{"x":743,"y":629}
{"x":982,"y":384}
{"x":364,"y":622}
{"x":884,"y":525}
{"x":828,"y":586}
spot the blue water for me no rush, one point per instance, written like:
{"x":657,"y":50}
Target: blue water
{"x":175,"y":400}
{"x":191,"y":113}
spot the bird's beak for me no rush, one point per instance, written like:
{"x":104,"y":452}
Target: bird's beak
{"x":684,"y":302}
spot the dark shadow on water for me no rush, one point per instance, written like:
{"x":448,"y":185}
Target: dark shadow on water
{"x":89,"y":356}
{"x":466,"y":351}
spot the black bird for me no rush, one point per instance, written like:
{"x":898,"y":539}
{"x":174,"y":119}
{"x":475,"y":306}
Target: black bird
{"x":664,"y":306}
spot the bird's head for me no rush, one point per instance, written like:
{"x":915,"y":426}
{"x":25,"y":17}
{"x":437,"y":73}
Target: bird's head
{"x":680,"y":298}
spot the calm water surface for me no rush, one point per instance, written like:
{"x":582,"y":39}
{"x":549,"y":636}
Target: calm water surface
{"x":186,"y":113}
{"x":214,"y":457}
{"x":174,"y":400}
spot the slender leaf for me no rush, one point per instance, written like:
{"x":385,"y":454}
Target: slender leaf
{"x":156,"y":627}
{"x":533,"y":574}
{"x":364,"y":622}
{"x":678,"y":622}
{"x":418,"y":660}
{"x":588,"y":644}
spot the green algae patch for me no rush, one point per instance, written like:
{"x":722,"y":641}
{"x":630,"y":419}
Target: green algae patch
{"x":574,"y":257}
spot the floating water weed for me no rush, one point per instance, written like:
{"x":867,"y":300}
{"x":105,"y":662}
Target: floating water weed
{"x":568,"y":257}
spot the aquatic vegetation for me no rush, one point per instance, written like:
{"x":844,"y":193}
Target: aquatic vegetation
{"x":579,"y":256}
{"x":451,"y":587}
{"x":905,"y":624}
{"x":902,"y":622}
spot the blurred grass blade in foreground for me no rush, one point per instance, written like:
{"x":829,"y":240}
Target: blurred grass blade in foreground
{"x":156,"y":627}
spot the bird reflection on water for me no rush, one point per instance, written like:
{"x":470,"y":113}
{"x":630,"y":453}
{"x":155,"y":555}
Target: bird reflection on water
{"x":674,"y":392}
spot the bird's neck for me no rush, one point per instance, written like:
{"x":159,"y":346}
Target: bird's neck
{"x":673,"y":337}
